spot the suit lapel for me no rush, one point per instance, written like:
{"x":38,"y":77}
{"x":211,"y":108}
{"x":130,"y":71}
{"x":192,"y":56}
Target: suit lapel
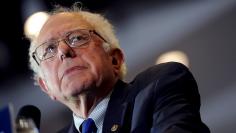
{"x":116,"y":117}
{"x":118,"y":114}
{"x":72,"y":128}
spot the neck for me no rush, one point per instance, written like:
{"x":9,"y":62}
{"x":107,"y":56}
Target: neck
{"x":86,"y":102}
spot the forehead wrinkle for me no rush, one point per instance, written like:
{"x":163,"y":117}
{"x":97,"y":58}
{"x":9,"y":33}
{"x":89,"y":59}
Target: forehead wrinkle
{"x":67,"y":21}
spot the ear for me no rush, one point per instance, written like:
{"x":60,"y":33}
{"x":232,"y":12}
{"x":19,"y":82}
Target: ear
{"x":42,"y":85}
{"x":45,"y":88}
{"x":117,"y":59}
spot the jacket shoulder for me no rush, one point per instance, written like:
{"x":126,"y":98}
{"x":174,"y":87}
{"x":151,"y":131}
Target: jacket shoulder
{"x":158,"y":71}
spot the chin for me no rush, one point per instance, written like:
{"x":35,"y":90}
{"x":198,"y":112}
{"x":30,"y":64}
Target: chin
{"x":72,"y":98}
{"x":73,"y":89}
{"x":76,"y":88}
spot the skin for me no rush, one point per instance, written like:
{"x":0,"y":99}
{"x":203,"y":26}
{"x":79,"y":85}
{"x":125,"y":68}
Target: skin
{"x":77,"y":77}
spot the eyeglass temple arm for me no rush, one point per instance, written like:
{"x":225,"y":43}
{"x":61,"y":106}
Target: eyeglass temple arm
{"x":99,"y":36}
{"x":34,"y":57}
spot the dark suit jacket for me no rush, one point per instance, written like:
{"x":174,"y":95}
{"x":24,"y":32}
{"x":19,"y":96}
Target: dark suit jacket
{"x":162,"y":99}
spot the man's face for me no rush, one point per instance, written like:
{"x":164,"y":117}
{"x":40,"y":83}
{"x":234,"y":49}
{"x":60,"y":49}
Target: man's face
{"x":73,"y":72}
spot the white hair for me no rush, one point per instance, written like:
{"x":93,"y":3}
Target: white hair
{"x":100,"y":24}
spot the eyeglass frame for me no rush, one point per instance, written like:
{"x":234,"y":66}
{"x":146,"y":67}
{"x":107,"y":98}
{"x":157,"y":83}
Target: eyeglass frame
{"x":38,"y":60}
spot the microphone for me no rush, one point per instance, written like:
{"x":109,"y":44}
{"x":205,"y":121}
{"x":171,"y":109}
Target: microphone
{"x":30,"y":112}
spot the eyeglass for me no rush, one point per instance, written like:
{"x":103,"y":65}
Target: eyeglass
{"x":74,"y":39}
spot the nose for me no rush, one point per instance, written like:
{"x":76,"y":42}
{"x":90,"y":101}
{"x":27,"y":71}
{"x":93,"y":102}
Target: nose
{"x":65,"y":51}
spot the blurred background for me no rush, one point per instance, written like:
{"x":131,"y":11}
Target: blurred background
{"x":199,"y":33}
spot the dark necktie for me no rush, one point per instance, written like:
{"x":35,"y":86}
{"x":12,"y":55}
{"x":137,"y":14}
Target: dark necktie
{"x":88,"y":126}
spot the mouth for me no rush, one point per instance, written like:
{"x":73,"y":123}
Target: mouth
{"x":73,"y":69}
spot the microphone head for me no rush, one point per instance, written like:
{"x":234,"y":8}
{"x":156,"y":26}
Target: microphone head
{"x":30,"y":112}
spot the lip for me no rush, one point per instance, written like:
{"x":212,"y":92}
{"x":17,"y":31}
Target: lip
{"x":72,"y":69}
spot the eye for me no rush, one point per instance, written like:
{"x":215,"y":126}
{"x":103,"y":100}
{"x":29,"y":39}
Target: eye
{"x":49,"y":50}
{"x":77,"y":40}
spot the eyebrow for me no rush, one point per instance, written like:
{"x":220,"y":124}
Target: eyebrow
{"x":48,"y":40}
{"x":56,"y":38}
{"x":60,"y":35}
{"x":69,"y":32}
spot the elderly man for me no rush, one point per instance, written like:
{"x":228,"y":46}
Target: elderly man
{"x":77,"y":61}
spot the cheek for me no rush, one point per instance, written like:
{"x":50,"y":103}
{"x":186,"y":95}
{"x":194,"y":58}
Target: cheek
{"x":95,"y":64}
{"x":51,"y":75}
{"x":100,"y":65}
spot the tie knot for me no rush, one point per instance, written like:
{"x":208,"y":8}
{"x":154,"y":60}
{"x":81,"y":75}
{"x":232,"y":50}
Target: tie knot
{"x":88,"y":126}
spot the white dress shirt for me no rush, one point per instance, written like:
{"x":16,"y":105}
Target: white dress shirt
{"x":97,"y":115}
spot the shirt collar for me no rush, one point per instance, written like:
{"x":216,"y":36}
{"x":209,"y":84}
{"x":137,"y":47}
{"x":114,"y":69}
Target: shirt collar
{"x":97,"y":114}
